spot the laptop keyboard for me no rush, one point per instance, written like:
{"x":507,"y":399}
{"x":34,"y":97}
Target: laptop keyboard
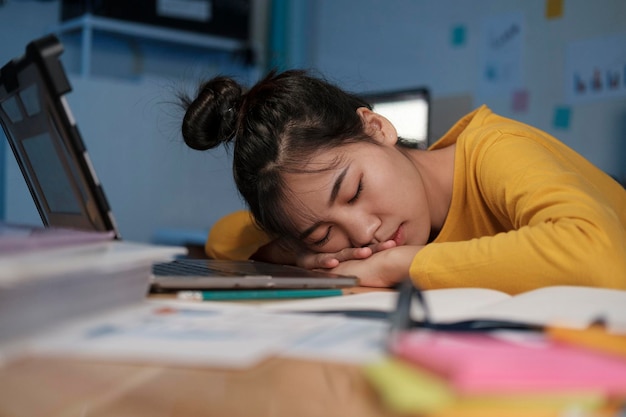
{"x":200,"y":267}
{"x":186,"y":268}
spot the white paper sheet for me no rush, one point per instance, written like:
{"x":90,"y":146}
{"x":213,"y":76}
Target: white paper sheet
{"x":213,"y":334}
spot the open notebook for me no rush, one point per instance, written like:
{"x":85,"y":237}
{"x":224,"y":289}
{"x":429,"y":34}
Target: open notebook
{"x":51,"y":154}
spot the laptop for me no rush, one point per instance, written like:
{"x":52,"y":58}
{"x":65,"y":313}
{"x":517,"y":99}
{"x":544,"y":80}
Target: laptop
{"x":408,"y":110}
{"x":45,"y":140}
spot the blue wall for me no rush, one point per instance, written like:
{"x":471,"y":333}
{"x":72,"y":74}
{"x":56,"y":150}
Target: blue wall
{"x":125,"y":111}
{"x":378,"y":44}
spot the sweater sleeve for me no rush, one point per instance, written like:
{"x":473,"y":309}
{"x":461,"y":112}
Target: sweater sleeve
{"x":563,"y":231}
{"x":235,"y":237}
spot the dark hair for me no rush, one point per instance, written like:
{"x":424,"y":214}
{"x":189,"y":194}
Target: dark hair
{"x":283,"y":120}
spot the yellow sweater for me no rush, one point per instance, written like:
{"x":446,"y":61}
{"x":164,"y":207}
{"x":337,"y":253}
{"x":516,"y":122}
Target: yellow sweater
{"x":526,"y":212}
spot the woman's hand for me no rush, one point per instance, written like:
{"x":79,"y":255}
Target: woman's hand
{"x":274,"y":252}
{"x":380,"y":265}
{"x":317,"y":260}
{"x":382,"y":269}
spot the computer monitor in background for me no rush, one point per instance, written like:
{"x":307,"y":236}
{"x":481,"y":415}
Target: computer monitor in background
{"x":408,"y":110}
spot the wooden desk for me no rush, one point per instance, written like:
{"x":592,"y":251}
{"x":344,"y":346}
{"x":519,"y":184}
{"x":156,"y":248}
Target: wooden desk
{"x":276,"y":388}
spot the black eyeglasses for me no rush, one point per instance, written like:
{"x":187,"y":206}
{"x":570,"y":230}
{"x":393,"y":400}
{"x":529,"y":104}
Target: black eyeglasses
{"x":401,"y":319}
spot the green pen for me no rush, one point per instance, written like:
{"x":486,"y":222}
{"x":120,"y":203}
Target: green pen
{"x":221,"y":295}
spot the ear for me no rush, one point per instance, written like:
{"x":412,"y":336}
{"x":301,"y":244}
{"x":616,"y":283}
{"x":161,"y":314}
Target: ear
{"x":378,"y":126}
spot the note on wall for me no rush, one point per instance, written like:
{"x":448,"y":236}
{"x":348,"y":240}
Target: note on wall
{"x":501,"y":47}
{"x":519,"y":100}
{"x":596,"y":68}
{"x":458,"y":36}
{"x":554,"y":9}
{"x":562,"y":117}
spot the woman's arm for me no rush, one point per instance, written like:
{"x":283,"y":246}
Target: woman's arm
{"x":563,"y":229}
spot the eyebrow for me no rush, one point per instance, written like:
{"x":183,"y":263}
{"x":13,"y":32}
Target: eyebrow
{"x":337,"y":186}
{"x":333,"y":196}
{"x":308,"y":231}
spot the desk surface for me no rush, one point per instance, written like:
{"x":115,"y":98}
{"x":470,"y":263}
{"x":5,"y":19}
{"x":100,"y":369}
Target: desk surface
{"x":277,"y":387}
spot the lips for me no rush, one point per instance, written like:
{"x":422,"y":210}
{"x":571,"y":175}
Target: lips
{"x":398,"y":236}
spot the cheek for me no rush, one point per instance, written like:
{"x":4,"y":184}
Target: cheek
{"x":420,"y":224}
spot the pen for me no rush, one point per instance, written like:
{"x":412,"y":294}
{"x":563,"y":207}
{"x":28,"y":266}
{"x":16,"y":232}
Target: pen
{"x":220,"y":295}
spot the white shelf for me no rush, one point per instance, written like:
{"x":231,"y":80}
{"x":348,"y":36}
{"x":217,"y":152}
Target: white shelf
{"x":89,"y":23}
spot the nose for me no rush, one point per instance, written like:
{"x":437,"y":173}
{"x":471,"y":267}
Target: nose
{"x":361,"y":228}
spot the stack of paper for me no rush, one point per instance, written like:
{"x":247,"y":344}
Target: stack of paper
{"x":478,"y":374}
{"x":56,"y":275}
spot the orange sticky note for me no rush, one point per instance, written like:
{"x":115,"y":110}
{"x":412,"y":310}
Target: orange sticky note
{"x":594,"y":337}
{"x":554,"y":9}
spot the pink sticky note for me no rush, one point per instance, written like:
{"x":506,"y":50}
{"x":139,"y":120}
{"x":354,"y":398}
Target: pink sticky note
{"x":519,"y":101}
{"x":478,"y":363}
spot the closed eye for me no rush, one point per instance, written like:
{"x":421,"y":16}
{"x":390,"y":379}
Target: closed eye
{"x":357,"y":194}
{"x":323,"y":240}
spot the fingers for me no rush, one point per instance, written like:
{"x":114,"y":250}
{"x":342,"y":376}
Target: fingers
{"x":325,"y":261}
{"x":331,"y":260}
{"x":377,"y":247}
{"x":313,"y":260}
{"x":353,"y":253}
{"x":317,"y":260}
{"x":349,"y":254}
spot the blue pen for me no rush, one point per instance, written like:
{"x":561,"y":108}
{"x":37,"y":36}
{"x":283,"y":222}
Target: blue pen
{"x":221,"y":295}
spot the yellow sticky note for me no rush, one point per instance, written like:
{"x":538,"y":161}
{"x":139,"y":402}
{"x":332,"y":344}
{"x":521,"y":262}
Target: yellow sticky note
{"x":408,"y":389}
{"x":525,"y":404}
{"x":554,"y":9}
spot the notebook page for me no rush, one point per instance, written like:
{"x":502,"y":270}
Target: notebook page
{"x":562,"y":305}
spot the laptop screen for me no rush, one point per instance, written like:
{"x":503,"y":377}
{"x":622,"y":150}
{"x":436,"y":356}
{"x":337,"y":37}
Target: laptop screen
{"x":37,"y":123}
{"x":408,"y":110}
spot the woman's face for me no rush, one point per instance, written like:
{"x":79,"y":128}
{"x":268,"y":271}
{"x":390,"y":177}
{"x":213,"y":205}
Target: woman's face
{"x":372,"y":192}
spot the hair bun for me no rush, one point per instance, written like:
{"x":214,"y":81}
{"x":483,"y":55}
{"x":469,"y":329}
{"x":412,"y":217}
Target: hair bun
{"x":211,"y":119}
